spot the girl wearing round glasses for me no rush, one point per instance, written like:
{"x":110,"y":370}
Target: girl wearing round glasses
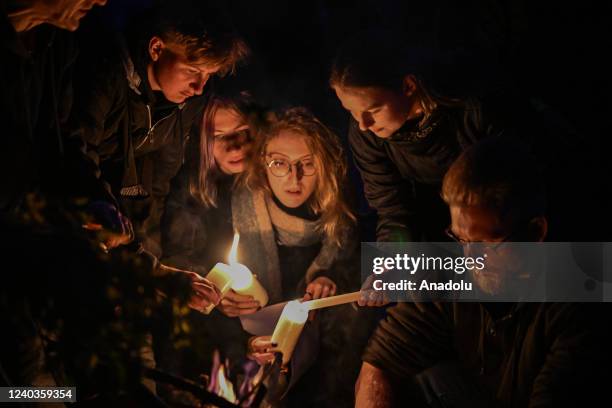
{"x":297,"y":235}
{"x":292,"y":207}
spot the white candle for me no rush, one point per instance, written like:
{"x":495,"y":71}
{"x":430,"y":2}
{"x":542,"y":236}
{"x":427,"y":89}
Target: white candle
{"x":289,"y":327}
{"x":332,"y":301}
{"x":220,"y":276}
{"x":245,"y":283}
{"x":236,"y":276}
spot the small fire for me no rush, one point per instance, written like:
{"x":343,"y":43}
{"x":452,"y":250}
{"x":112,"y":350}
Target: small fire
{"x":220,"y":384}
{"x":226,"y":388}
{"x":252,"y":375}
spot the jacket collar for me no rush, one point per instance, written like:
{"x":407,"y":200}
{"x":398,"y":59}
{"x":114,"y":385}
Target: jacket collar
{"x":135,"y":73}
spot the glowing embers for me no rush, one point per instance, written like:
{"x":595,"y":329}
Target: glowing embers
{"x":220,"y":382}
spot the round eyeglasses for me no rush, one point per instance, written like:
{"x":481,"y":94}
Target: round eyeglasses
{"x":282,"y":167}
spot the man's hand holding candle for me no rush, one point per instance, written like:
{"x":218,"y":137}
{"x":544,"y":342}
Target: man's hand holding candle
{"x":369,"y":296}
{"x":234,"y":304}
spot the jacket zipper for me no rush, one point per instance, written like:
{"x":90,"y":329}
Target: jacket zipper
{"x":152,"y":125}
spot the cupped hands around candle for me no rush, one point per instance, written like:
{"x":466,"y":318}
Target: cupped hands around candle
{"x":262,"y":349}
{"x":234,"y":304}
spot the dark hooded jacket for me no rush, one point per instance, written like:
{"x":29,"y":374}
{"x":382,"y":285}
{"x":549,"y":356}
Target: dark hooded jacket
{"x":135,"y":136}
{"x":402,"y":174}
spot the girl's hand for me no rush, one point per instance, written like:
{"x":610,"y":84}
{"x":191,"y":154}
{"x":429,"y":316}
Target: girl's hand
{"x":233,"y":304}
{"x":319,"y":288}
{"x":261,"y":349}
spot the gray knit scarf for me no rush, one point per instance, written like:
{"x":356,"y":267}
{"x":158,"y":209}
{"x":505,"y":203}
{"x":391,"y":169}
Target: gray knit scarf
{"x":262,"y":226}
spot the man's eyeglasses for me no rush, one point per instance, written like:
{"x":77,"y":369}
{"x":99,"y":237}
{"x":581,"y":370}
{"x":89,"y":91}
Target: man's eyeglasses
{"x":495,"y":246}
{"x":282,"y":167}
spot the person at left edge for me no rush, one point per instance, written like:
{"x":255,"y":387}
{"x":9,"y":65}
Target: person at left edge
{"x":39,"y":54}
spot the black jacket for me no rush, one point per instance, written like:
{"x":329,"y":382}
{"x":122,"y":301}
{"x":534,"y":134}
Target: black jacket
{"x":520,"y":355}
{"x":135,"y":136}
{"x":402,"y":174}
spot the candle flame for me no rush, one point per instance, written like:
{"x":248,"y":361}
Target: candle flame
{"x":233,"y":254}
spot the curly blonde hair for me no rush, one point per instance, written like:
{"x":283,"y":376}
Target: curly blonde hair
{"x":328,"y":200}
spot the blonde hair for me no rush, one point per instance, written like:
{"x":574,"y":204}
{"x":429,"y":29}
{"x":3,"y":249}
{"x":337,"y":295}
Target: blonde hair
{"x":202,"y":30}
{"x":224,"y":52}
{"x":328,"y":200}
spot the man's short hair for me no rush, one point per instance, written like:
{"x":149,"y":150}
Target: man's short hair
{"x":205,"y":31}
{"x":497,"y":173}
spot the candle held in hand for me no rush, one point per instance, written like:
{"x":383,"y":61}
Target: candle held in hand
{"x":332,"y":301}
{"x":289,"y":327}
{"x":243,"y":281}
{"x":236,"y":276}
{"x":220,"y":276}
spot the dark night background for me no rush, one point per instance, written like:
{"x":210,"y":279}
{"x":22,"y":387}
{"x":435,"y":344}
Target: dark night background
{"x":549,"y":51}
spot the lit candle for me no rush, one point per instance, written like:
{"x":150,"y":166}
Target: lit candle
{"x":220,"y":276}
{"x":236,"y":276}
{"x":289,"y":327}
{"x":243,"y":281}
